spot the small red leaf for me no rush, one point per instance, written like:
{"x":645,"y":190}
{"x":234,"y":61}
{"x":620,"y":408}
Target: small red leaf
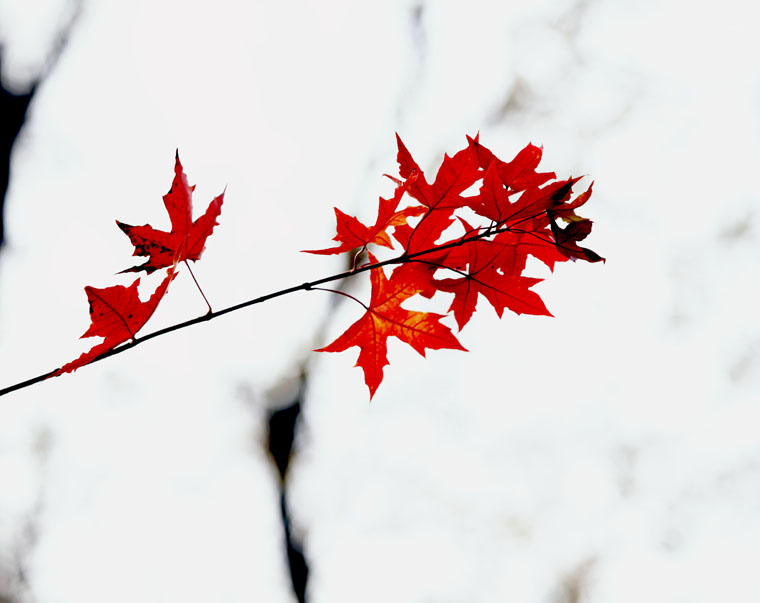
{"x":186,"y":239}
{"x":117,"y":314}
{"x":352,"y":234}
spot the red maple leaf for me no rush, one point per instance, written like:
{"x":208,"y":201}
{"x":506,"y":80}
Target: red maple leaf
{"x":186,"y":239}
{"x":353,"y":234}
{"x":117,"y":314}
{"x":491,"y":268}
{"x":442,"y":197}
{"x":386,"y":318}
{"x":456,"y":174}
{"x":518,"y":174}
{"x":493,"y":201}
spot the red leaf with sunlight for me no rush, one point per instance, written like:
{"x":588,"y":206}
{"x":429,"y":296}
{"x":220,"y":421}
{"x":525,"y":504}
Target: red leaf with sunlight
{"x":493,"y":201}
{"x":456,"y":175}
{"x":352,"y":234}
{"x":386,"y":318}
{"x":442,"y":197}
{"x":117,"y":314}
{"x":518,"y":174}
{"x":186,"y":240}
{"x":491,"y":269}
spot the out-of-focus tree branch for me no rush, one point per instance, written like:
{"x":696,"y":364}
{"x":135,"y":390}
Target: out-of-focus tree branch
{"x":14,"y":105}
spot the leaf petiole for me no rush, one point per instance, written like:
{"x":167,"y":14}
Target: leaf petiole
{"x":199,"y":287}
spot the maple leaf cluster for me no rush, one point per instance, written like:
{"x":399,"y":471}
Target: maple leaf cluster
{"x":117,"y":313}
{"x":516,"y":212}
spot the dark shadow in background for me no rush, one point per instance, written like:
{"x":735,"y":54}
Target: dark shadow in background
{"x":14,"y":105}
{"x":284,"y":421}
{"x":282,"y":430}
{"x":14,"y":108}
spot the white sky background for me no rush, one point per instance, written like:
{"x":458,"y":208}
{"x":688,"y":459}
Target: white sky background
{"x":614,"y":446}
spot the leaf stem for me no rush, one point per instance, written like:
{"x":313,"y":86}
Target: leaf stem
{"x":343,"y":293}
{"x":197,"y":285}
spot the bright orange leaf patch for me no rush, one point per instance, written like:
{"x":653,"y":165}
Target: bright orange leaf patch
{"x":386,"y":318}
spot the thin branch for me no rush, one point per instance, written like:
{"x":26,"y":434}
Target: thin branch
{"x":401,"y":259}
